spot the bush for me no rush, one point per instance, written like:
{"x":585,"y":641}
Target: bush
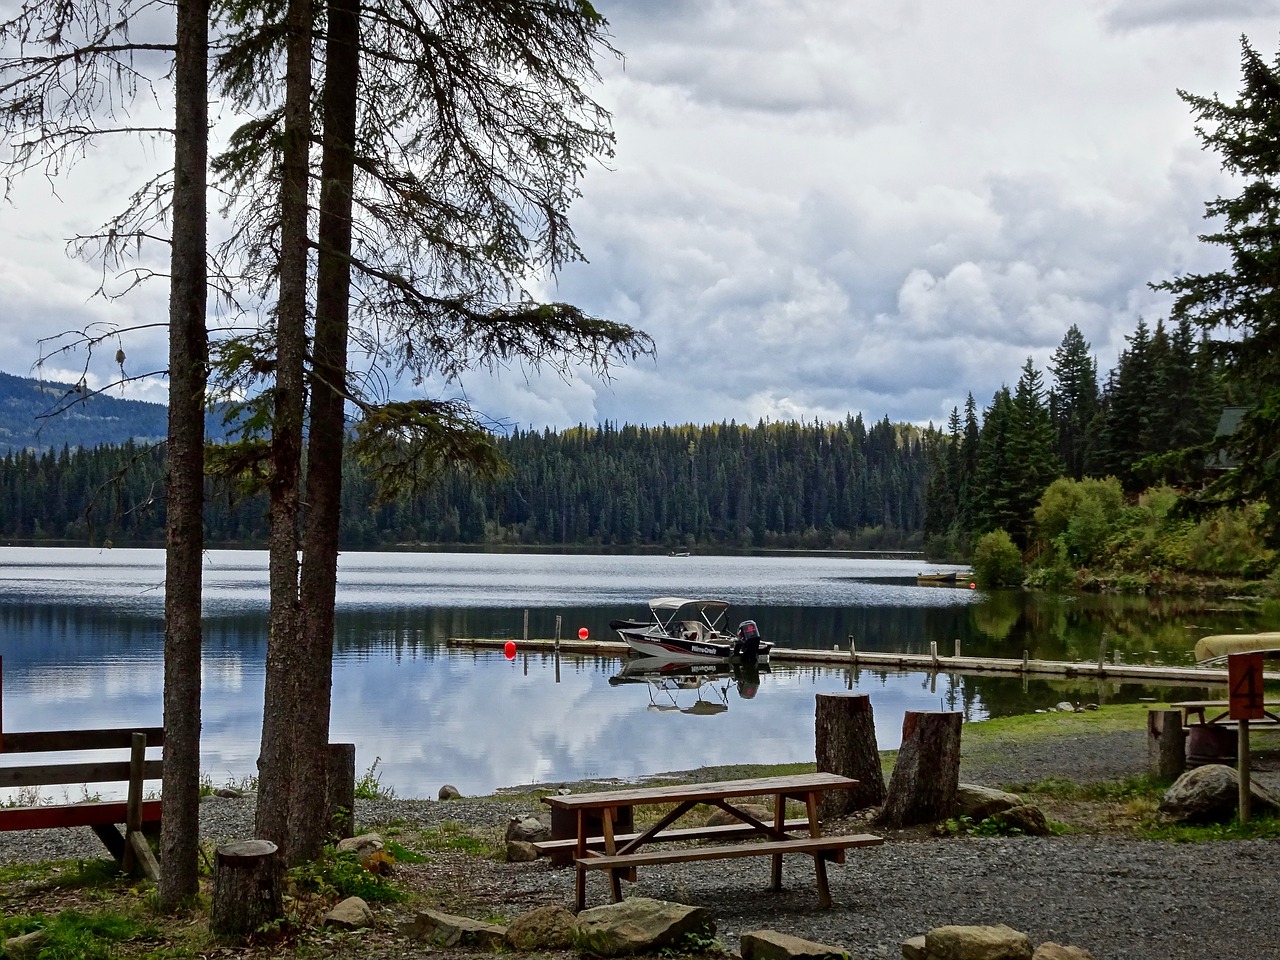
{"x":997,"y":562}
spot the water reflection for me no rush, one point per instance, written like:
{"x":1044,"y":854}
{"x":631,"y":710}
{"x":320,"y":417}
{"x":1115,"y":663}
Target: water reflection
{"x":698,"y":689}
{"x":81,"y":633}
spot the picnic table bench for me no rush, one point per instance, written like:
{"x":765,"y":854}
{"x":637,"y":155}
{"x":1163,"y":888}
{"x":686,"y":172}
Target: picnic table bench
{"x":622,"y":853}
{"x":138,"y":816}
{"x":1212,"y":736}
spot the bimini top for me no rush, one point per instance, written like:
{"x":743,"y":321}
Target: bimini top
{"x":1221,"y":646}
{"x":675,"y":603}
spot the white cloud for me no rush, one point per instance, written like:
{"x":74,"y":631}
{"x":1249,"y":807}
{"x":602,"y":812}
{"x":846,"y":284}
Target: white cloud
{"x":818,"y":209}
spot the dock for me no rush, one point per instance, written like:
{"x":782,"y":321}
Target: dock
{"x":932,"y":662}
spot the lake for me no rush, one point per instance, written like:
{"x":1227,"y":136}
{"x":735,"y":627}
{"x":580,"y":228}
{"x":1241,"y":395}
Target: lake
{"x":81,"y":636}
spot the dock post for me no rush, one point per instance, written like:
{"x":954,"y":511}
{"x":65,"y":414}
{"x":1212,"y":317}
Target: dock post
{"x":1026,"y":662}
{"x":853,"y":653}
{"x":933,"y":653}
{"x":558,"y":619}
{"x":526,"y":626}
{"x":1243,"y":769}
{"x":957,"y":648}
{"x":1102,"y":648}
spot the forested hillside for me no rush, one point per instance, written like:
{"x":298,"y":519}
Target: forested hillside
{"x":43,"y":415}
{"x":727,"y":485}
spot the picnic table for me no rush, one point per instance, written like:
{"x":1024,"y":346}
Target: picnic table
{"x":620,"y":854}
{"x":1218,"y":712}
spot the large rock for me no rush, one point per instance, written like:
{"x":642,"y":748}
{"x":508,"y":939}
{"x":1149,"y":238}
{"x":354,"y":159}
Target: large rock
{"x":1026,"y":818}
{"x":639,"y":925}
{"x":546,"y":928}
{"x":365,"y":845}
{"x":447,"y":930}
{"x":977,"y":943}
{"x":518,"y":851}
{"x":528,"y":829}
{"x":771,"y":945}
{"x":349,"y":914}
{"x":723,"y":817}
{"x":1211,"y":794}
{"x":1053,"y":951}
{"x":25,"y":946}
{"x":449,"y":792}
{"x":977,"y":803}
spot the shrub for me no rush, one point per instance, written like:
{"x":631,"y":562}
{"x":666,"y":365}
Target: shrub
{"x":997,"y":562}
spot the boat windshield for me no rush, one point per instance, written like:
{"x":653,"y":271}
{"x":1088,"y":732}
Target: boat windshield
{"x":671,"y":611}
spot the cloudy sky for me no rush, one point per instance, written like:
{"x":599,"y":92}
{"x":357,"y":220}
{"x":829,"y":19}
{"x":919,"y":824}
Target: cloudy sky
{"x":819,"y":209}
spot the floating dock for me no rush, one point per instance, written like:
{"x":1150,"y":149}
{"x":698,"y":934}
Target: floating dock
{"x":913,"y":662}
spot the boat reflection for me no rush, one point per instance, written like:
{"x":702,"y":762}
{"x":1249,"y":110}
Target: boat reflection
{"x":672,"y":684}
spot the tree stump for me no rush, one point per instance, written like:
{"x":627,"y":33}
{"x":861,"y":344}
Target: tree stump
{"x":1166,"y":744}
{"x":845,"y":742}
{"x":246,"y":889}
{"x":342,"y":790}
{"x":923,"y":786}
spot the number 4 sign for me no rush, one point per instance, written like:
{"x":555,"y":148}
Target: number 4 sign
{"x":1244,"y":677}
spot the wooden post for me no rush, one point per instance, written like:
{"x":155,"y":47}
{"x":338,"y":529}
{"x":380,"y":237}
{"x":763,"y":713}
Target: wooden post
{"x":246,"y":891}
{"x":526,"y":626}
{"x":1166,"y":744}
{"x":927,"y":773}
{"x":133,"y":805}
{"x":341,"y":790}
{"x":1243,"y":764}
{"x":845,"y":743}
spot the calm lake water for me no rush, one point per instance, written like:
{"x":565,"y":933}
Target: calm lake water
{"x":81,"y":636}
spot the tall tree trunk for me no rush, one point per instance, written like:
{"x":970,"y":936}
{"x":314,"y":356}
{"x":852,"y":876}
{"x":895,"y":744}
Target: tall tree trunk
{"x":184,"y":486}
{"x":308,"y":815}
{"x":276,"y":775}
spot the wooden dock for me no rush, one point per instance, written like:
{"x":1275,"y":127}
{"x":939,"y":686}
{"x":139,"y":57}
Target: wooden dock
{"x":912,"y":662}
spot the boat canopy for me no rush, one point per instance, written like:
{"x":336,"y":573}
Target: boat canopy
{"x":1223,"y":645}
{"x":669,"y":604}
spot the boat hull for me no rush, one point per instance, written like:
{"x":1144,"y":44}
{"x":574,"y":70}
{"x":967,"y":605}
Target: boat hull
{"x":651,"y":641}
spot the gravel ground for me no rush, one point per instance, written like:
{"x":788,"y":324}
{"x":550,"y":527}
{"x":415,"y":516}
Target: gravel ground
{"x":1117,"y":897}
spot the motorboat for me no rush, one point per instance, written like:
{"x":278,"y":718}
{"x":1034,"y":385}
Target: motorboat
{"x":954,"y":578}
{"x":710,"y":683}
{"x":688,"y":630}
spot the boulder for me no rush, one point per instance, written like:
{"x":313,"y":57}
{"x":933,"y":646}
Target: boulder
{"x":639,"y":925}
{"x":1211,"y":794}
{"x":527,"y":828}
{"x":349,"y":914}
{"x":546,"y":928}
{"x":1025,"y":818}
{"x":977,"y":943}
{"x":914,"y":949}
{"x":363,"y":846}
{"x":25,"y":946}
{"x":519,"y":851}
{"x":447,"y":930}
{"x":1053,"y":951}
{"x":449,"y":792}
{"x":978,"y":803}
{"x":721,"y":817}
{"x":771,"y":945}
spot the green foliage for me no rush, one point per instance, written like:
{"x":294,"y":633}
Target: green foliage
{"x":339,"y":875}
{"x":997,"y":562}
{"x":369,"y":785}
{"x":696,"y":943}
{"x":1262,"y":828}
{"x":73,"y":935}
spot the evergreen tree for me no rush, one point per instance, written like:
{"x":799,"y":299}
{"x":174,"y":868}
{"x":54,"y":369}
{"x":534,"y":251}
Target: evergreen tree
{"x":1073,"y":400}
{"x":1239,"y":306}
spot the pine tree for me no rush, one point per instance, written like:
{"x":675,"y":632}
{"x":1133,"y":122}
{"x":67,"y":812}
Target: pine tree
{"x":1240,"y":305}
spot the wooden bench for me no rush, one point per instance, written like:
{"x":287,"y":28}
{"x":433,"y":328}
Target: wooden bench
{"x":622,"y":853}
{"x":136,"y":815}
{"x":832,"y":849}
{"x":719,"y":831}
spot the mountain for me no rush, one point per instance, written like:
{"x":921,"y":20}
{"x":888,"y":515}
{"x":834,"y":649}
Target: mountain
{"x":40,"y":415}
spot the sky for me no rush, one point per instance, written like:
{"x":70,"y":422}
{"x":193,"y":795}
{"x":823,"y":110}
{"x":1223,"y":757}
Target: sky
{"x":815,"y":209}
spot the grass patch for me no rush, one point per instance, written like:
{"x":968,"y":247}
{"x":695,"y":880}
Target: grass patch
{"x":1105,"y":791}
{"x":455,"y":836}
{"x":73,"y":935}
{"x":1264,"y":828}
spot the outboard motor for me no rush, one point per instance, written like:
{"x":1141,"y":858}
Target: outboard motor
{"x":748,"y":642}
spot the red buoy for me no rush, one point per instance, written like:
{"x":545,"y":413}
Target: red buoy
{"x":509,"y":649}
{"x":582,"y":633}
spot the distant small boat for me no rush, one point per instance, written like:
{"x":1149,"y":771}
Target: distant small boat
{"x":955,"y":577}
{"x":679,"y":553}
